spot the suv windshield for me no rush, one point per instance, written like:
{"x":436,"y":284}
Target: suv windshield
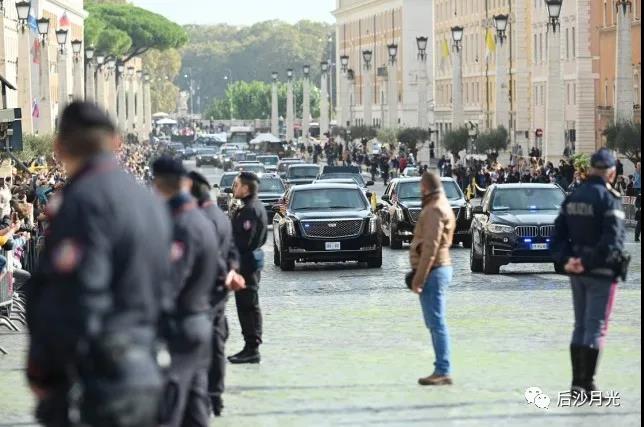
{"x":357,"y":178}
{"x":256,"y":168}
{"x":227,"y":181}
{"x":527,"y":199}
{"x":409,"y":191}
{"x":452,"y":191}
{"x":328,"y":199}
{"x":268,"y":160}
{"x":303,"y":172}
{"x":271,"y":185}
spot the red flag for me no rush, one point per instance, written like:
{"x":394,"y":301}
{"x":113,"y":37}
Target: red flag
{"x":64,"y":20}
{"x":36,"y":51}
{"x":35,"y":111}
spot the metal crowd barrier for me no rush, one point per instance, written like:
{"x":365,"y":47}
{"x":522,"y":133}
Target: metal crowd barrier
{"x":629,"y":209}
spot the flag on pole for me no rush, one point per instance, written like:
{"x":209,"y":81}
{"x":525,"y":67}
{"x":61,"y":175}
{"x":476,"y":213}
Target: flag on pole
{"x":445,"y":49}
{"x":490,"y":42}
{"x":32,"y":23}
{"x":36,"y":52}
{"x":35,"y":109}
{"x":64,"y":20}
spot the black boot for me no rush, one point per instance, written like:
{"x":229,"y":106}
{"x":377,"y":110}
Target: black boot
{"x":590,"y":358}
{"x":247,"y":355}
{"x":217,"y":405}
{"x":578,"y":383}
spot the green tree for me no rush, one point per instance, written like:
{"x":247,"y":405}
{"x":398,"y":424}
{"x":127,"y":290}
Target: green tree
{"x":124,"y":30}
{"x":364,"y":132}
{"x":492,"y":141}
{"x":163,"y":67}
{"x":456,"y":140}
{"x":34,"y":146}
{"x":625,"y":138}
{"x":388,"y":136}
{"x":411,"y":137}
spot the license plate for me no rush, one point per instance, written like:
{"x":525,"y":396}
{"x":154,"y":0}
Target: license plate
{"x":332,"y":246}
{"x":539,"y":246}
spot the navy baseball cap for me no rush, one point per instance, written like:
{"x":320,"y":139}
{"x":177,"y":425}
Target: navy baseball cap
{"x":603,"y":159}
{"x":168,"y":166}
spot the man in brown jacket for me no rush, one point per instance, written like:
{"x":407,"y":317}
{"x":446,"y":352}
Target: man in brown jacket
{"x":430,"y":259}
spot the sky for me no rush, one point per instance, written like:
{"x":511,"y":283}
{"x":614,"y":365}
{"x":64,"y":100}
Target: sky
{"x":240,"y":12}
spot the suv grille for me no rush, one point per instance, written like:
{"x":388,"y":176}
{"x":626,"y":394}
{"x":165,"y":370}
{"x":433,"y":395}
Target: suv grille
{"x":332,"y":229}
{"x":547,"y":231}
{"x":527,"y":231}
{"x":414,"y":214}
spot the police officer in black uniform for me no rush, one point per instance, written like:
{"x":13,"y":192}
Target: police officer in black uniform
{"x":228,"y":279}
{"x":195,"y":260}
{"x":92,"y":305}
{"x":589,"y":243}
{"x":249,"y":230}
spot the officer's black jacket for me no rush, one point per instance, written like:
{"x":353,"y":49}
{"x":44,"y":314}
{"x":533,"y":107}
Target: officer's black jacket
{"x":250,"y":231}
{"x":590,"y":225}
{"x":229,"y":257}
{"x":195,"y":257}
{"x":104,"y":263}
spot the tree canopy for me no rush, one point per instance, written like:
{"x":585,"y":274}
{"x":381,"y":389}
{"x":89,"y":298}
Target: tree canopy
{"x":491,"y":141}
{"x":124,"y":30}
{"x":456,"y":140}
{"x":625,"y":138}
{"x":250,"y":54}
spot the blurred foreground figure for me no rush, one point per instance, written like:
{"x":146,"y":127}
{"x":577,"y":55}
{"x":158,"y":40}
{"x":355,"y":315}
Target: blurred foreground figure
{"x":93,"y":304}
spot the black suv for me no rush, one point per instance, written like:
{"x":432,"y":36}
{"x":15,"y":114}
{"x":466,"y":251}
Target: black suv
{"x":326,"y":223}
{"x":514,"y":224}
{"x":207,"y":156}
{"x":400,"y":208}
{"x":302,"y":174}
{"x":271,"y":191}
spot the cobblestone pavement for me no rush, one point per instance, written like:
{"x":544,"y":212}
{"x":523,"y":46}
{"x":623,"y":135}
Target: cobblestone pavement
{"x":344,"y":345}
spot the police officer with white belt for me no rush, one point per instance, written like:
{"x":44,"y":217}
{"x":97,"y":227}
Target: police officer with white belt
{"x":589,"y":243}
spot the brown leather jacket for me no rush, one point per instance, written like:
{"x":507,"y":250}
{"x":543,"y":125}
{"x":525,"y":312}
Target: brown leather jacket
{"x":433,"y":234}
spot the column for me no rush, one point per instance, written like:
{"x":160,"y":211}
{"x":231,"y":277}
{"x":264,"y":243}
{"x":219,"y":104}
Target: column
{"x":555,"y":139}
{"x":422,"y":95}
{"x":343,"y":101}
{"x":78,"y":78}
{"x":131,"y":93}
{"x":502,"y":88}
{"x":458,"y":114}
{"x":25,"y":100}
{"x":275,"y":130}
{"x":306,"y":106}
{"x":324,"y":102}
{"x":140,"y":117}
{"x":63,"y":91}
{"x":44,"y":124}
{"x":90,"y":82}
{"x":367,"y":97}
{"x":100,"y":87}
{"x":585,"y":119}
{"x":523,"y":105}
{"x":392,"y":95}
{"x":290,"y":131}
{"x":624,"y":65}
{"x":147,"y":107}
{"x":111,"y":93}
{"x":122,"y":103}
{"x":351,"y":98}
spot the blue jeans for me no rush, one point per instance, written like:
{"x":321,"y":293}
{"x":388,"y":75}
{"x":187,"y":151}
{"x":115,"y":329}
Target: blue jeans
{"x":433,"y":301}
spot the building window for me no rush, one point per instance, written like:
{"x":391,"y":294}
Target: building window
{"x":567,"y":44}
{"x":606,"y":93}
{"x":574,"y":42}
{"x":605,"y":17}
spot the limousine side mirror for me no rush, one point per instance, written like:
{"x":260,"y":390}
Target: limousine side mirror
{"x":370,"y":183}
{"x":379,"y":206}
{"x":385,"y":198}
{"x":228,"y":190}
{"x":477,"y":210}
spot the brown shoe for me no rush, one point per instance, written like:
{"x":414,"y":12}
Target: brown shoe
{"x":435,"y":379}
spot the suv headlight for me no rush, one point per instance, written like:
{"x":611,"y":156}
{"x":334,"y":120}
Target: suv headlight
{"x":468,"y":212}
{"x":500,"y":229}
{"x":373,"y":225}
{"x":290,"y":226}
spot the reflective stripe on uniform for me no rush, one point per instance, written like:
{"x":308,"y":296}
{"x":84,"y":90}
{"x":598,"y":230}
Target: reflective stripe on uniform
{"x":619,"y":214}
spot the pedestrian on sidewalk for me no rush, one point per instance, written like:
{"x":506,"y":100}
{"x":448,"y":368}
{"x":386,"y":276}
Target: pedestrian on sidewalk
{"x":432,"y":266}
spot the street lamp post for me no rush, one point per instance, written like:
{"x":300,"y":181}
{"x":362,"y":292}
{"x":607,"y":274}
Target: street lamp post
{"x":147,"y":107}
{"x":624,"y":93}
{"x":367,"y":99}
{"x":502,"y":87}
{"x":351,"y":78}
{"x":63,"y":92}
{"x":324,"y":98}
{"x":458,"y":114}
{"x":24,"y":66}
{"x":290,"y":131}
{"x":111,"y":88}
{"x":100,"y":80}
{"x":44,"y":123}
{"x":90,"y":87}
{"x":392,"y":85}
{"x":343,"y":86}
{"x":131,"y":104}
{"x":140,"y":109}
{"x":306,"y":101}
{"x":422,"y":81}
{"x":274,"y":105}
{"x":77,"y":52}
{"x":121,"y":108}
{"x":555,"y":141}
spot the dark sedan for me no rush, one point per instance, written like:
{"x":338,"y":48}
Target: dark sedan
{"x":271,"y":191}
{"x":300,"y":174}
{"x":514,"y":224}
{"x":400,"y":208}
{"x":206,"y":157}
{"x":326,"y":223}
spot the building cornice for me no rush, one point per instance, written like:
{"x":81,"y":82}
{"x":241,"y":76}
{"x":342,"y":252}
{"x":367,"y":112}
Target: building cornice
{"x":63,"y":5}
{"x":342,"y":12}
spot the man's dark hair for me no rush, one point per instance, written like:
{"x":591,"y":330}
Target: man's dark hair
{"x":251,"y":183}
{"x":85,"y":130}
{"x":200,"y":191}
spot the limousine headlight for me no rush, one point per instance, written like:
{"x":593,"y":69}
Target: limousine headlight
{"x":500,"y":229}
{"x":373,"y":225}
{"x":290,"y":226}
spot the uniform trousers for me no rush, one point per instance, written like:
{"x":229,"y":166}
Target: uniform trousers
{"x":248,"y":311}
{"x":593,"y":299}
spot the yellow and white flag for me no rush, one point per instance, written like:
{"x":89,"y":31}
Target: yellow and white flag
{"x":490,"y":42}
{"x":445,"y":49}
